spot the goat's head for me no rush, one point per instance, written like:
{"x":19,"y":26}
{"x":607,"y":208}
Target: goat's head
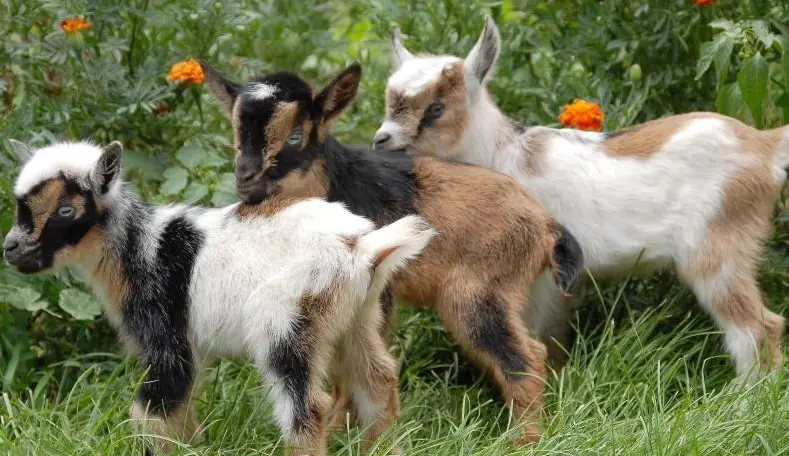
{"x":62,"y":193}
{"x":429,"y":97}
{"x":279,"y":125}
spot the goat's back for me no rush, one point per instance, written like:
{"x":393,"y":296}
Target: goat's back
{"x":252,"y":273}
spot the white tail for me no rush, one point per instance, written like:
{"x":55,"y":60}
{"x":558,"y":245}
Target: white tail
{"x":390,"y":247}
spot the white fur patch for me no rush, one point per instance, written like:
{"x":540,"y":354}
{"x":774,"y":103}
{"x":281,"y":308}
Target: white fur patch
{"x":74,"y":159}
{"x":260,"y":91}
{"x":415,"y":74}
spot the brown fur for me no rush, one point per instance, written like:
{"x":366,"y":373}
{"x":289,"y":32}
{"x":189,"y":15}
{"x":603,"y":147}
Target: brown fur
{"x":267,"y":208}
{"x":513,"y":243}
{"x":735,"y":239}
{"x":357,"y":353}
{"x":494,"y":241}
{"x":43,"y":203}
{"x":279,"y":128}
{"x":447,"y":130}
{"x":645,"y":140}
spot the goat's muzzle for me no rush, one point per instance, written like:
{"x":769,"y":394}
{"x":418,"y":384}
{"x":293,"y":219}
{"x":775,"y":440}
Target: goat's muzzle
{"x":18,"y":253}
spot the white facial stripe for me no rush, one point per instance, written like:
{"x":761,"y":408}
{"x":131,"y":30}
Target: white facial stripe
{"x":260,"y":91}
{"x":415,"y":74}
{"x":75,"y":160}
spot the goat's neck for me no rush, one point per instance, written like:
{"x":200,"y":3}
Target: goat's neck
{"x":489,"y":135}
{"x":127,"y":228}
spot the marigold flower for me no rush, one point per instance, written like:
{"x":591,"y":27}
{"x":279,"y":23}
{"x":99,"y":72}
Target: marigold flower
{"x":703,"y":2}
{"x":187,"y":71}
{"x":75,"y":24}
{"x":582,"y":114}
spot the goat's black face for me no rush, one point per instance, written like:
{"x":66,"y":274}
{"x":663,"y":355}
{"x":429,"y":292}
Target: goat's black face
{"x":279,"y":126}
{"x":52,"y":218}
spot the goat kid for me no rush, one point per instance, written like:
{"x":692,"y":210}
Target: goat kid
{"x":694,"y":192}
{"x":281,"y":283}
{"x":495,"y":240}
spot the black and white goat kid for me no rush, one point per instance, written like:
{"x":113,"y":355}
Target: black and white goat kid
{"x":289,"y":284}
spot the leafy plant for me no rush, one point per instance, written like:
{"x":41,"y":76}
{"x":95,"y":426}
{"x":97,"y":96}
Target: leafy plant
{"x":753,"y":82}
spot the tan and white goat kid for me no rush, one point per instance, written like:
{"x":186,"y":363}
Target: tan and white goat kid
{"x":281,"y":283}
{"x":694,"y":192}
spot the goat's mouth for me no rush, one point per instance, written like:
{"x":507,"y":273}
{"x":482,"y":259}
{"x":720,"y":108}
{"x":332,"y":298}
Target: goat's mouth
{"x":253,"y":194}
{"x":28,"y":262}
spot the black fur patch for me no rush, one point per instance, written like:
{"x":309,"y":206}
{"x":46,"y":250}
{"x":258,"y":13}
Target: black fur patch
{"x":289,"y":359}
{"x":387,"y":309}
{"x":156,"y":309}
{"x":569,"y":257}
{"x":491,"y":333}
{"x":380,"y":186}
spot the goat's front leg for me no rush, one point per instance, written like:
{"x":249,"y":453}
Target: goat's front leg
{"x":163,"y":406}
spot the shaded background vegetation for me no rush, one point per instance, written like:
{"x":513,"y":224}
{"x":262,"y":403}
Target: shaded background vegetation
{"x":640,"y":59}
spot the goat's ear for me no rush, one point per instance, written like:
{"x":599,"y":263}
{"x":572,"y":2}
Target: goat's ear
{"x":108,"y":168}
{"x":223,"y":89}
{"x":22,"y":151}
{"x":483,"y":56}
{"x":339,"y":94}
{"x":399,"y":52}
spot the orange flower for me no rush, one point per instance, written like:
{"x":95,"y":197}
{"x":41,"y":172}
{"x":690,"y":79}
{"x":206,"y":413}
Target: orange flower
{"x":703,"y":2}
{"x":75,"y":24}
{"x":582,"y":114}
{"x":187,"y":71}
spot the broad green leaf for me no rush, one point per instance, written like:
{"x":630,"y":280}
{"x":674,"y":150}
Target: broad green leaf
{"x":211,"y":160}
{"x":729,"y":101}
{"x":22,"y":298}
{"x":783,"y":103}
{"x":175,"y":180}
{"x":222,"y":199}
{"x":194,"y":192}
{"x":722,"y":58}
{"x":705,"y":59}
{"x":227,"y":183}
{"x":78,"y":304}
{"x":190,"y":155}
{"x":150,"y":169}
{"x":752,"y":79}
{"x":722,"y":24}
{"x":762,"y":32}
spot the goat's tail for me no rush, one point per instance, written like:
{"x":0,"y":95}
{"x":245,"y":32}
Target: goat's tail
{"x":568,"y":259}
{"x":388,"y":248}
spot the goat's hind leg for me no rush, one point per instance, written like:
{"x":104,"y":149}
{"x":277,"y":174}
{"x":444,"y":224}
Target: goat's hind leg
{"x":729,"y":291}
{"x":488,"y":324}
{"x":371,"y":374}
{"x":343,"y":409}
{"x":300,"y":403}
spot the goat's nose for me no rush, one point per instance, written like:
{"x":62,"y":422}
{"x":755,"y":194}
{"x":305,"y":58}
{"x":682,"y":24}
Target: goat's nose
{"x":10,"y":245}
{"x":245,"y":174}
{"x":381,"y":138}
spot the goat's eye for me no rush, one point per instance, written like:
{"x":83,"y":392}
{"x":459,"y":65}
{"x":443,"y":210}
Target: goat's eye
{"x":294,"y":138}
{"x":66,"y":211}
{"x":435,"y":110}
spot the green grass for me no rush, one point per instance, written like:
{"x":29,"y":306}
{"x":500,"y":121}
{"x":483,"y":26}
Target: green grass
{"x":654,"y":381}
{"x":647,"y":374}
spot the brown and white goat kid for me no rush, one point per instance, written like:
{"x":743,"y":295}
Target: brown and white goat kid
{"x":694,"y":192}
{"x":281,"y":283}
{"x":494,"y":239}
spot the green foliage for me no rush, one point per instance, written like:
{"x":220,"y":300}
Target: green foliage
{"x":637,"y":387}
{"x":762,"y":81}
